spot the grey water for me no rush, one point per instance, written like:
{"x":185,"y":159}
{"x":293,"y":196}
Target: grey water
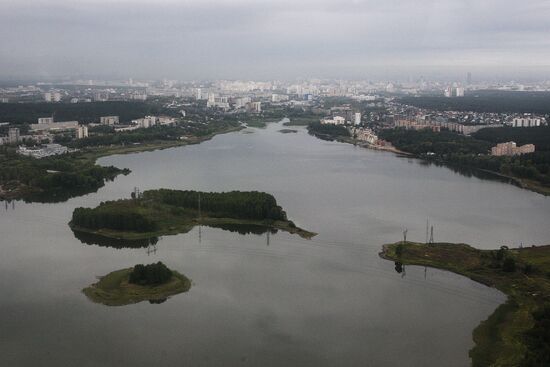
{"x":260,"y":300}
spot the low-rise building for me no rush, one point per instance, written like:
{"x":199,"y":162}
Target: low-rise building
{"x":109,"y":120}
{"x":336,"y":120}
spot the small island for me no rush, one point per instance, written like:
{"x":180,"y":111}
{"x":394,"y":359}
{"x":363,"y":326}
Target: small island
{"x":164,"y":212}
{"x":153,"y":283}
{"x":517,"y":333}
{"x":288,"y":131}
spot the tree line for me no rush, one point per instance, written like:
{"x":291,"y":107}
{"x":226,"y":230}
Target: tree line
{"x":235,"y":204}
{"x":110,"y":216}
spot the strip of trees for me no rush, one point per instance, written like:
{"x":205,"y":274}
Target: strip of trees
{"x":235,"y":204}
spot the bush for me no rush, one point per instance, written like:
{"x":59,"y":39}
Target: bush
{"x":152,"y":274}
{"x":509,"y":265}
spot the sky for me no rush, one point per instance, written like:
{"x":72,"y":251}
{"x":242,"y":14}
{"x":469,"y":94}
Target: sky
{"x":279,"y":39}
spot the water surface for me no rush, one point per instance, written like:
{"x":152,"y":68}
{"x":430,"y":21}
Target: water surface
{"x":260,"y":300}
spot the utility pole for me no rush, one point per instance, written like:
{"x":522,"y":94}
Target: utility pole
{"x":427,"y":225}
{"x":405,"y":235}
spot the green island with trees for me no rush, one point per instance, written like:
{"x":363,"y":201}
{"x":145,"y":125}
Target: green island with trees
{"x":518,"y":332}
{"x":165,"y":212}
{"x":153,"y":283}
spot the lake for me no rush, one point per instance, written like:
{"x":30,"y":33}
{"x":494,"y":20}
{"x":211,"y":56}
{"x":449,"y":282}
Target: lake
{"x":266,"y":299}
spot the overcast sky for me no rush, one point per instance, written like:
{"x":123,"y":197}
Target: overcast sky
{"x":202,"y":39}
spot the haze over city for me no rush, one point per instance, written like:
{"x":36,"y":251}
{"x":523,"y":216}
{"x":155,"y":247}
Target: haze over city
{"x":274,"y":39}
{"x":300,"y":183}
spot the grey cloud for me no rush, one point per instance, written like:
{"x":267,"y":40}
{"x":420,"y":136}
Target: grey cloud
{"x":202,"y":39}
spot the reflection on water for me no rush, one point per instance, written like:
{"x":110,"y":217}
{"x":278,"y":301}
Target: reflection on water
{"x":150,"y":243}
{"x":245,"y":229}
{"x":157,"y":301}
{"x":93,"y":239}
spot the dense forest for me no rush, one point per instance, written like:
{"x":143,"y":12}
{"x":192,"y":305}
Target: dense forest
{"x":52,"y":179}
{"x":540,"y":136}
{"x":19,"y":113}
{"x":327,"y":130}
{"x":234,"y":204}
{"x":152,"y":274}
{"x":455,"y":149}
{"x":486,"y":101}
{"x":117,"y":217}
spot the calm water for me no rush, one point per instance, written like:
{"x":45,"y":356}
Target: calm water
{"x":259,"y":301}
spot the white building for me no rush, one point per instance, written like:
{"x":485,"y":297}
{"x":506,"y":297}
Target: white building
{"x":526,"y":122}
{"x":357,"y":118}
{"x":45,"y":120}
{"x":336,"y":120}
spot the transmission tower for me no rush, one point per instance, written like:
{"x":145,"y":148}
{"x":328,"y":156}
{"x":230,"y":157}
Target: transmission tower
{"x":432,"y":236}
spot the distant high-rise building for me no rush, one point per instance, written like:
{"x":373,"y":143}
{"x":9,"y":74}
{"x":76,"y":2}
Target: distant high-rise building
{"x":357,"y":119}
{"x":469,"y":78}
{"x":47,"y":97}
{"x":82,"y":132}
{"x":199,"y":94}
{"x":13,"y":135}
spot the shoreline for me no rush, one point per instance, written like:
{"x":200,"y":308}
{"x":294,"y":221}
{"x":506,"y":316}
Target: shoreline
{"x":185,"y":227}
{"x":93,"y":154}
{"x":501,"y":338}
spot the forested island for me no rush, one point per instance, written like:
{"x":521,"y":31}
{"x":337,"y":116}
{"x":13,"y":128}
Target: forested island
{"x":530,"y":171}
{"x":153,"y":283}
{"x":164,"y":211}
{"x":518,"y":332}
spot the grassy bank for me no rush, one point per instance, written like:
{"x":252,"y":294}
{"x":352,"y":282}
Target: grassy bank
{"x":504,"y":339}
{"x":114,"y":289}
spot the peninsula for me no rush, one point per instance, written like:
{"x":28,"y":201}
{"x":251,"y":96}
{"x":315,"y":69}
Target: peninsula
{"x":164,"y":212}
{"x":153,"y":283}
{"x":516,"y":334}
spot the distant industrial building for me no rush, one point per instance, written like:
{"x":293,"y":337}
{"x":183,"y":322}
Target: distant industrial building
{"x":45,"y":151}
{"x":336,"y":120}
{"x":45,"y":120}
{"x":510,"y":148}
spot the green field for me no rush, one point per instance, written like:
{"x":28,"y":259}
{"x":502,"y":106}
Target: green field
{"x":514,"y":335}
{"x":114,"y":289}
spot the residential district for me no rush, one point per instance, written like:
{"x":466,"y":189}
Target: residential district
{"x":363,"y":107}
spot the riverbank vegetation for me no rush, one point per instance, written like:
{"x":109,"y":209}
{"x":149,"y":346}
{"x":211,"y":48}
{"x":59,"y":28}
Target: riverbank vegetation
{"x":153,"y":283}
{"x":164,"y":211}
{"x":50,"y":179}
{"x":327,"y":131}
{"x":531,"y":171}
{"x":59,"y":178}
{"x":517,"y":333}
